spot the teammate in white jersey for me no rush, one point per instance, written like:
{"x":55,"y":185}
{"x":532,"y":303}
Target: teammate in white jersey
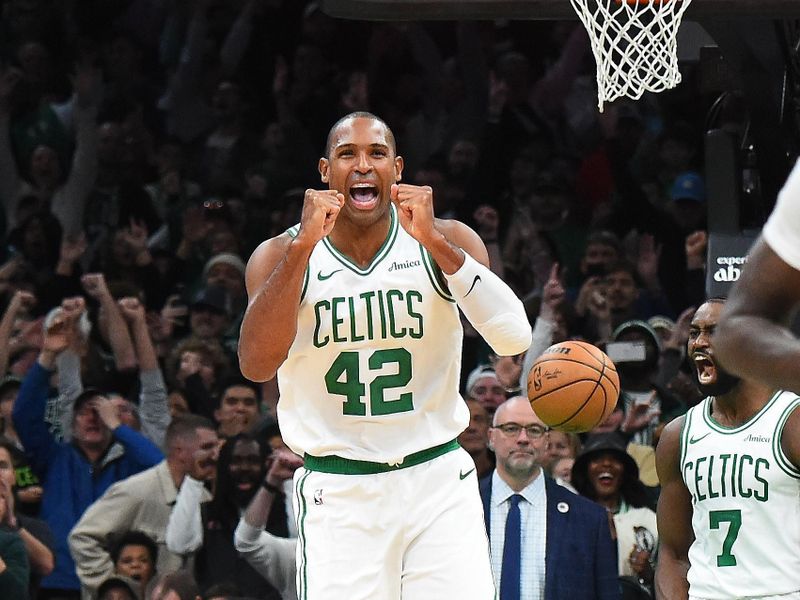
{"x":729,"y":510}
{"x":754,"y":338}
{"x":356,"y":310}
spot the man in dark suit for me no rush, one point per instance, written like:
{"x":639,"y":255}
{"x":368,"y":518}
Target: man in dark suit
{"x":563,"y":541}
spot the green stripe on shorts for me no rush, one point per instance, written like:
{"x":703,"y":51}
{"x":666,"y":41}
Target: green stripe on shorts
{"x":336,"y":465}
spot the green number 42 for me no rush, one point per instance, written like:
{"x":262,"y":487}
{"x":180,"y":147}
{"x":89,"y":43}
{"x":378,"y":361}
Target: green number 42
{"x":734,"y":517}
{"x":344,"y":379}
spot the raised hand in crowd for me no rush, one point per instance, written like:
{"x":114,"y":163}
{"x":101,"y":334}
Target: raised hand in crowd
{"x":695,"y":245}
{"x":20,"y":305}
{"x":590,"y":296}
{"x":59,"y":334}
{"x":73,"y":247}
{"x":282,"y":464}
{"x":173,"y":314}
{"x":553,"y":294}
{"x":204,"y":463}
{"x":680,"y":332}
{"x":115,"y":330}
{"x":107,"y":410}
{"x":195,"y":229}
{"x":135,"y":236}
{"x":95,"y":285}
{"x":7,"y":270}
{"x":132,"y":310}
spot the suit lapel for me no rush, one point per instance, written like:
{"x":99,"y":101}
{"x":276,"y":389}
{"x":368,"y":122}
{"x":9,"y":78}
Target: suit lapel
{"x":557,"y":518}
{"x":485,"y":487}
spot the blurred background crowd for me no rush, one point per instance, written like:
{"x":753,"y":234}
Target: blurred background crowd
{"x":148,"y":146}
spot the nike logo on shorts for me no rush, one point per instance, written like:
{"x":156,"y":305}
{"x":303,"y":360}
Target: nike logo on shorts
{"x":462,"y":475}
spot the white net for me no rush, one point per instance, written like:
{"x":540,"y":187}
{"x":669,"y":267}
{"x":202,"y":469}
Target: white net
{"x":634,"y":45}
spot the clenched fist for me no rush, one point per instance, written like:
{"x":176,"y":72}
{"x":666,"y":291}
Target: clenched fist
{"x":415,"y":210}
{"x":320,"y":210}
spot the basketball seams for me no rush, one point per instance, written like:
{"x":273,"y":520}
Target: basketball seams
{"x":600,"y":375}
{"x":601,"y":371}
{"x":581,"y":407}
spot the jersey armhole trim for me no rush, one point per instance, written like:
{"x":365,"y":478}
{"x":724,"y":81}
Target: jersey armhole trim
{"x":682,"y":442}
{"x":780,"y":456}
{"x":292,"y":232}
{"x":435,"y":275}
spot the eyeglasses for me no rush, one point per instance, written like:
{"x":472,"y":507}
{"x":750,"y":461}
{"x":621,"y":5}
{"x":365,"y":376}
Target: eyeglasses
{"x":534,"y":432}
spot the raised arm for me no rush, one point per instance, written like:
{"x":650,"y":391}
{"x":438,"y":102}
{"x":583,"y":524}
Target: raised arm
{"x":674,"y":518}
{"x":20,"y":302}
{"x":753,"y":338}
{"x":271,"y":556}
{"x":184,"y":533}
{"x":153,"y":408}
{"x":69,"y":202}
{"x":29,"y":408}
{"x":118,"y":336}
{"x":274,"y":278}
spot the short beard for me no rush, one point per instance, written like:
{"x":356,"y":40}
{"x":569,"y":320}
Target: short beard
{"x":724,"y":383}
{"x":522,"y":469}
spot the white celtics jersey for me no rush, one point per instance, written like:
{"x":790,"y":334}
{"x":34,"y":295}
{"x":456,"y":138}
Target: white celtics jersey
{"x":746,"y":504}
{"x":373,"y":372}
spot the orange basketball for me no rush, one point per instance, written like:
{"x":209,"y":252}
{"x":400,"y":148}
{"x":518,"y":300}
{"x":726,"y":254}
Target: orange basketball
{"x":573,"y":386}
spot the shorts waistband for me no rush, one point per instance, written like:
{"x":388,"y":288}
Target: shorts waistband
{"x":336,"y":465}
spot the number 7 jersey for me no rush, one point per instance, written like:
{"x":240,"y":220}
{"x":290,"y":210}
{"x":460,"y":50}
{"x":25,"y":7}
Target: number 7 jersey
{"x":374,"y":369}
{"x":746,"y":504}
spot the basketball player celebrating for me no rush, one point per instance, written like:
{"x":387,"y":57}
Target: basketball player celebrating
{"x":729,"y":510}
{"x":356,"y":311}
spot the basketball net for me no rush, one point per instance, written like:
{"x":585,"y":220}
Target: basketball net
{"x":634,"y":45}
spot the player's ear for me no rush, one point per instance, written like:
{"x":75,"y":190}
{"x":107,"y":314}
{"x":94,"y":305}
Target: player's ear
{"x":398,"y":168}
{"x":323,"y":169}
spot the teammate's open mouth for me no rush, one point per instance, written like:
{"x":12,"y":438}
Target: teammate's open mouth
{"x":705,"y":368}
{"x":364,"y":195}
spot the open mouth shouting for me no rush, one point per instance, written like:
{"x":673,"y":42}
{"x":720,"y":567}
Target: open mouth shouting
{"x":364,"y":195}
{"x":705,"y":368}
{"x":606,"y":480}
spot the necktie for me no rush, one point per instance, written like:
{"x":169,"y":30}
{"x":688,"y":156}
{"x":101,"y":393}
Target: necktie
{"x":512,"y":547}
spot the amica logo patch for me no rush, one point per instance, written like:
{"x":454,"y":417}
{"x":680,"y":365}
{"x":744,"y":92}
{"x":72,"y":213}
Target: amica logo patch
{"x":729,"y":271}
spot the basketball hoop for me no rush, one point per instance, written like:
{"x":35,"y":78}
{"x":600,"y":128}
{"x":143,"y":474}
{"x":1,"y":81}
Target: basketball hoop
{"x":634,"y":45}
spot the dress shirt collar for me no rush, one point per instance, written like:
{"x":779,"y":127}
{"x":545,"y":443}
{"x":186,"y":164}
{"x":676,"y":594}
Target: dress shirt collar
{"x":501,"y":491}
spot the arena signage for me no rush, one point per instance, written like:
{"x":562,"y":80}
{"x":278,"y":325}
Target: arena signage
{"x":727,"y":257}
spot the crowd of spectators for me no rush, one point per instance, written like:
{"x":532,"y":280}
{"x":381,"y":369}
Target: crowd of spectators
{"x":148,"y":146}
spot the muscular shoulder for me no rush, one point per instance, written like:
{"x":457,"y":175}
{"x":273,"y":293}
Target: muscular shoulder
{"x":669,"y":449}
{"x":263,"y":260}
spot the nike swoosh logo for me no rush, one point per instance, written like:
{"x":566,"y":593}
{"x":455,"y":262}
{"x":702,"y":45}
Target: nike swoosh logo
{"x":694,"y":439}
{"x":474,"y":281}
{"x":462,"y":475}
{"x":322,"y":277}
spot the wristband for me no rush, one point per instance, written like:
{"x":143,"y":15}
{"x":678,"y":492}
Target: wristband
{"x":270,"y":488}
